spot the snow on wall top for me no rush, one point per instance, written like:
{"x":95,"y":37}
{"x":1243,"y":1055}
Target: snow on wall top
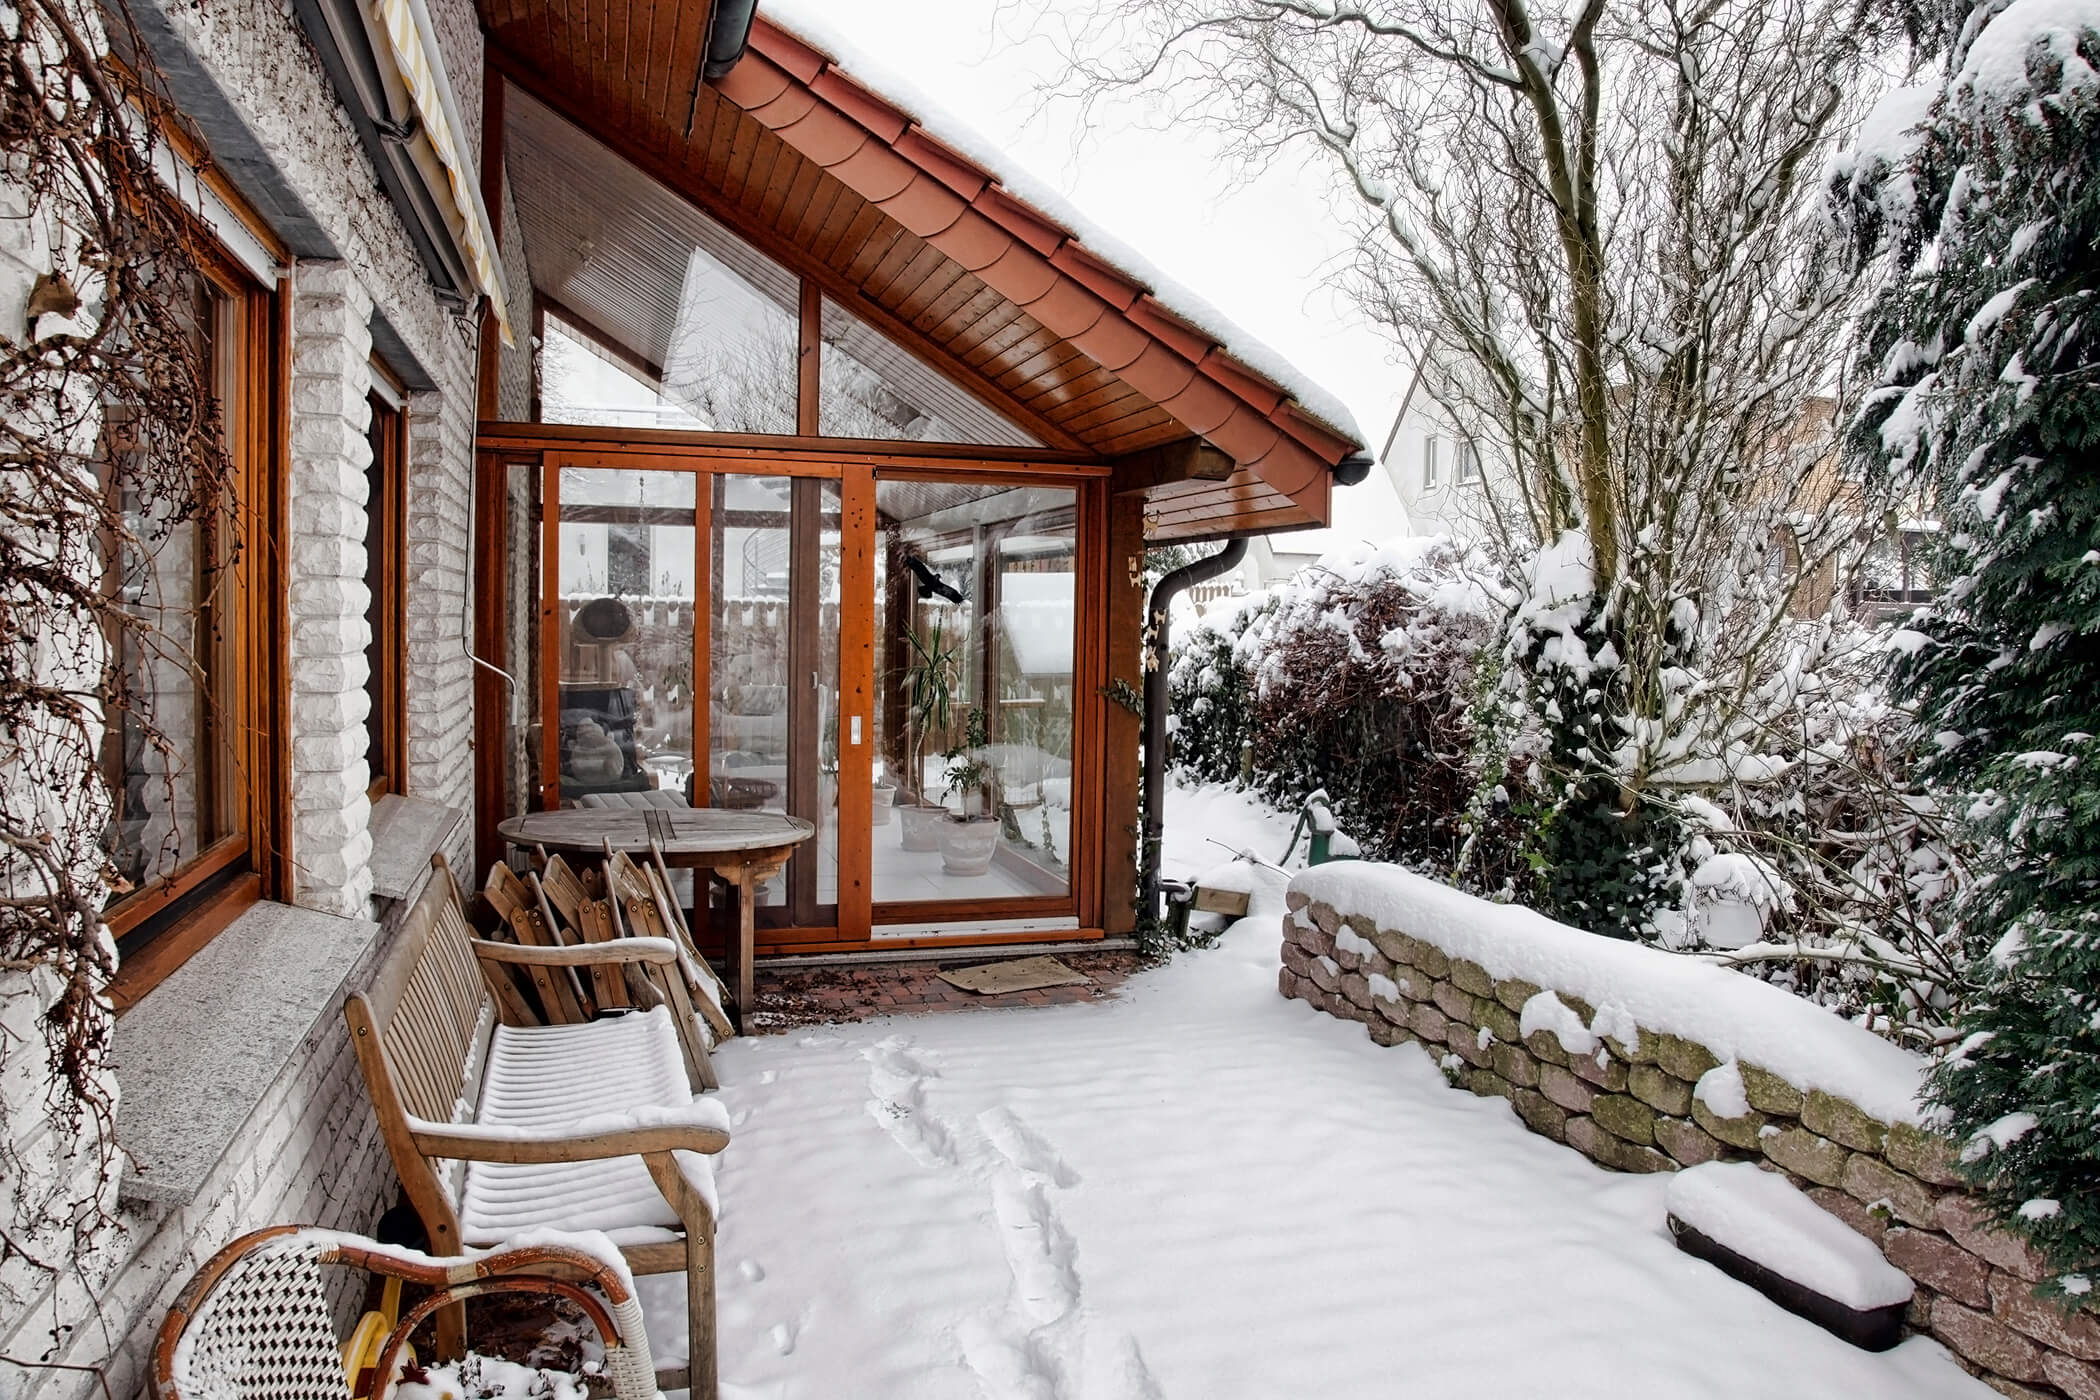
{"x":809,"y":21}
{"x":1734,"y":1016}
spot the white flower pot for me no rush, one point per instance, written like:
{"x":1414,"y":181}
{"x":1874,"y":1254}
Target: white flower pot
{"x":967,"y":847}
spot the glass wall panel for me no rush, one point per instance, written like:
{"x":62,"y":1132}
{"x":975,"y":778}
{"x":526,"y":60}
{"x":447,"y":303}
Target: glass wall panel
{"x":625,"y":598}
{"x":975,"y":623}
{"x":774,"y":670}
{"x":661,"y":316}
{"x":871,"y":387}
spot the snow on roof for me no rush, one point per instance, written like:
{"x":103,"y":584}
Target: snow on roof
{"x":810,"y":21}
{"x":1738,"y":1018}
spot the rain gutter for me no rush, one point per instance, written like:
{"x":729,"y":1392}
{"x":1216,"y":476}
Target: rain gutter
{"x":1163,"y":594}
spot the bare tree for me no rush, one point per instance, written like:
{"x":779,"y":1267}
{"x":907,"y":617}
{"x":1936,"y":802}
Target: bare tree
{"x":1605,"y":223}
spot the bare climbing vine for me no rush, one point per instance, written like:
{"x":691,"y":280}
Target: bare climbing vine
{"x":110,"y":443}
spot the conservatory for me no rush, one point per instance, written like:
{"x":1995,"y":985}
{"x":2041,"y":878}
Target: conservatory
{"x":828,"y":488}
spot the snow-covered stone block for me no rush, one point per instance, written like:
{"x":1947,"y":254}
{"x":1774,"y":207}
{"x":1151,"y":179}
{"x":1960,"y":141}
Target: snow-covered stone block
{"x":1759,"y":1228}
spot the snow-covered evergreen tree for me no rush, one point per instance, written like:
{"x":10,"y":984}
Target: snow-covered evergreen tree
{"x":1986,"y":351}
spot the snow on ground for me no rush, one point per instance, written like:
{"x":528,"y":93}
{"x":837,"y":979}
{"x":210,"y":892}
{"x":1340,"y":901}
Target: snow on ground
{"x":1201,"y":1191}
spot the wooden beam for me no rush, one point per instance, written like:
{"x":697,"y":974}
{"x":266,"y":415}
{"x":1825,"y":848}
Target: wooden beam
{"x":1123,"y":583}
{"x":1186,"y":459}
{"x":809,"y":361}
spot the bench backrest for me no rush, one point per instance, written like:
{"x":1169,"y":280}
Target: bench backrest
{"x":420,"y":1031}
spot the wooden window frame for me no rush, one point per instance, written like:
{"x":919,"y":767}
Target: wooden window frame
{"x":1430,"y":480}
{"x":386,"y":549}
{"x":169,"y":920}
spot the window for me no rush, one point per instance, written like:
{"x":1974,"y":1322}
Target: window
{"x":1429,"y":446}
{"x":386,"y":559}
{"x":1468,"y":461}
{"x":871,"y":387}
{"x":191,"y":764}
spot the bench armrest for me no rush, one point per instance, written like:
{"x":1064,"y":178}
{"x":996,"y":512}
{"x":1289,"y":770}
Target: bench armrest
{"x":702,"y":1126}
{"x":619,"y":950}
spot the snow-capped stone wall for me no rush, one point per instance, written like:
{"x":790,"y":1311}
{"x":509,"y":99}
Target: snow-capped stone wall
{"x":1647,"y":1061}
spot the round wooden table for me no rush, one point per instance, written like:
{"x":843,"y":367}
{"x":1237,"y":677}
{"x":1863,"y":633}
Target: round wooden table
{"x":743,"y":848}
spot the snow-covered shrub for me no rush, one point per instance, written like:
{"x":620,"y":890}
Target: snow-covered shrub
{"x":1823,"y":863}
{"x":1360,"y":677}
{"x":1981,"y":354}
{"x":1210,"y":694}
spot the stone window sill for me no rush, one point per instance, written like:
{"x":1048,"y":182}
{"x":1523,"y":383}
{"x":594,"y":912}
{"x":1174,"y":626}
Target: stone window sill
{"x":201,"y":1052}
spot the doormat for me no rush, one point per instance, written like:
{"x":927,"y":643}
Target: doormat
{"x":1020,"y":975}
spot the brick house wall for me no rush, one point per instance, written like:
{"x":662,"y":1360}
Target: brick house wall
{"x":299,"y":1140}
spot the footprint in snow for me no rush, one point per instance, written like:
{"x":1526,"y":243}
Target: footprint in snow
{"x":783,"y":1335}
{"x":751,"y":1271}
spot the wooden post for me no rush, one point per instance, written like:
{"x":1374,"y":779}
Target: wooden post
{"x":1119,"y":758}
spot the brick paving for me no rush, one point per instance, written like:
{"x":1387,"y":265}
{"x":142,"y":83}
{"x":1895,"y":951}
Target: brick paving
{"x":792,"y":997}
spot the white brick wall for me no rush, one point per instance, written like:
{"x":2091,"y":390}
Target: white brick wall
{"x":310,"y":1151}
{"x":310,"y":1154}
{"x":331,"y":376}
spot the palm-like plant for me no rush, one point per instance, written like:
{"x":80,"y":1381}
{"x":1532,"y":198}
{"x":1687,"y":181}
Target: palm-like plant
{"x":930,"y":682}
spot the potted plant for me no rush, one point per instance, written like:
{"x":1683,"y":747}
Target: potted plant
{"x":930,"y":690}
{"x":970,"y":838}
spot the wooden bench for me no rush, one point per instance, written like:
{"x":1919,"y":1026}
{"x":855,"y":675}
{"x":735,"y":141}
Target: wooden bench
{"x":499,"y":1127}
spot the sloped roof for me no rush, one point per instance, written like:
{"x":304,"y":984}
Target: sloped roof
{"x":932,"y":248}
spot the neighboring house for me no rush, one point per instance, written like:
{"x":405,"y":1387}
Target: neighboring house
{"x":1445,"y":469}
{"x":846,"y":385}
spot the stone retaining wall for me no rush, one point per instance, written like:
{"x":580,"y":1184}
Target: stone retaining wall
{"x":1632,"y":1107}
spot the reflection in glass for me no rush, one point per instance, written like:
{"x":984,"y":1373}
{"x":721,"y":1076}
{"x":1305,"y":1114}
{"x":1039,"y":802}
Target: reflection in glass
{"x":174,"y":782}
{"x":975,"y":619}
{"x":871,"y":387}
{"x":625,"y":595}
{"x":774,"y":669}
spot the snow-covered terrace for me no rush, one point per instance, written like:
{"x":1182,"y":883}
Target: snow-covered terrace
{"x":1204,"y":1190}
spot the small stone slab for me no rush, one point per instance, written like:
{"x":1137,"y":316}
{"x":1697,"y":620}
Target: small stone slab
{"x":1759,"y":1229}
{"x":1019,"y":975}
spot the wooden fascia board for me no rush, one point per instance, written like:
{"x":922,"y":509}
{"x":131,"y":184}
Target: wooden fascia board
{"x":560,"y":100}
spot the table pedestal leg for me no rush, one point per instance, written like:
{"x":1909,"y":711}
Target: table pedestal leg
{"x":746,"y":912}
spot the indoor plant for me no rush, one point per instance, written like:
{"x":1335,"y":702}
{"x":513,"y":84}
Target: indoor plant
{"x":970,"y":838}
{"x":930,"y":693}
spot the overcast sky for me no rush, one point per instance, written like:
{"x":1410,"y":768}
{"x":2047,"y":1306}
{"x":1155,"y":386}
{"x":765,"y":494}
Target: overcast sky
{"x":1262,"y":248}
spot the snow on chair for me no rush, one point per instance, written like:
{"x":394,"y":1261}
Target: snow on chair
{"x":497,"y":1128}
{"x":256,"y":1323}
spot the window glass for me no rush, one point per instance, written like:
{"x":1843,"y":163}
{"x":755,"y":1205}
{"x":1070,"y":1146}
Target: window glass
{"x":624,"y":622}
{"x":871,"y":387}
{"x":975,"y":623}
{"x":385,"y":651}
{"x":177,"y":795}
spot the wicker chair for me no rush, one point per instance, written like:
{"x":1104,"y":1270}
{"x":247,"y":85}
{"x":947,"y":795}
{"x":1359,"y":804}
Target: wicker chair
{"x":255,"y":1323}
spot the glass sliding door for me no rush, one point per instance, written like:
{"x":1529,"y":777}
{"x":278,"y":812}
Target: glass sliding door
{"x":975,"y":626}
{"x":774,"y":672}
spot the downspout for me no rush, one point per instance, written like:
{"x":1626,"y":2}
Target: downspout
{"x":727,"y":33}
{"x":1163,"y":594}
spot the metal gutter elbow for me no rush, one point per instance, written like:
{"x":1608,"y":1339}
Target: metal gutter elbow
{"x":728,"y":31}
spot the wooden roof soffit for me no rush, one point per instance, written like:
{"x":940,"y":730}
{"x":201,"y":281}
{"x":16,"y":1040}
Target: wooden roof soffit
{"x":942,"y":196}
